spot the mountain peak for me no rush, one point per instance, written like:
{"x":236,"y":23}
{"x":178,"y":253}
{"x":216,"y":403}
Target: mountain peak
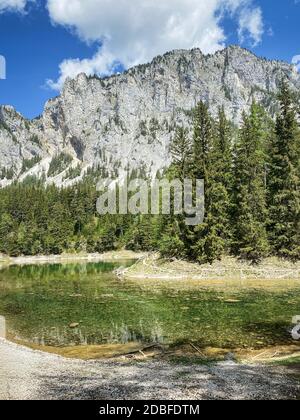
{"x":127,"y":120}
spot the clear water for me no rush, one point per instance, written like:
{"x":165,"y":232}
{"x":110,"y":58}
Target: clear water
{"x":40,"y":304}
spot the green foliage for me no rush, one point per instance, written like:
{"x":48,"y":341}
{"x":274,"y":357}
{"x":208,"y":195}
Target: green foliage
{"x":171,"y":245}
{"x":59,"y":164}
{"x":212,"y":236}
{"x":28,"y":164}
{"x":249,"y":199}
{"x":181,"y":151}
{"x":73,"y":173}
{"x":6,"y":127}
{"x":202,"y":142}
{"x":284,"y":180}
{"x":252,"y":202}
{"x":7,"y":173}
{"x":35,"y":140}
{"x":212,"y":161}
{"x":35,"y":219}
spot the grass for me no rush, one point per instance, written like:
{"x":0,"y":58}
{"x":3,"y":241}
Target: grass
{"x":291,"y":361}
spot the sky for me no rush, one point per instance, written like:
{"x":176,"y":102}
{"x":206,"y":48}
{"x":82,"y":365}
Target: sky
{"x":45,"y":41}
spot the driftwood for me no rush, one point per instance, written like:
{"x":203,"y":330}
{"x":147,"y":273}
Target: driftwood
{"x":198,"y":350}
{"x":141,"y":351}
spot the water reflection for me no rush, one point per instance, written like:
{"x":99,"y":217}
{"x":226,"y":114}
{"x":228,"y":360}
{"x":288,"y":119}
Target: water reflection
{"x":2,"y":327}
{"x":86,"y":304}
{"x":113,"y":334}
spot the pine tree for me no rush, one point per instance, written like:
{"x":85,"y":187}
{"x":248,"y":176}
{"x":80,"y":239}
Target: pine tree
{"x":36,"y":219}
{"x":7,"y":227}
{"x":223,"y":156}
{"x":202,"y":147}
{"x":171,"y":244}
{"x":250,"y":207}
{"x":181,"y":152}
{"x":284,"y":181}
{"x":212,"y":236}
{"x":202,"y":142}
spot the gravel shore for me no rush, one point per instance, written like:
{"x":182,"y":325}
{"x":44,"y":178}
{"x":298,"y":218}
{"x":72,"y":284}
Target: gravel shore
{"x":33,"y":375}
{"x":153,"y":267}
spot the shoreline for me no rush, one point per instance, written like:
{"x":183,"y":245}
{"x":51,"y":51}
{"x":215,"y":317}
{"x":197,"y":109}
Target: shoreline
{"x":150,"y":266}
{"x":21,"y":378}
{"x":70,"y":258}
{"x":137,"y":351}
{"x":135,"y":371}
{"x":153,"y":267}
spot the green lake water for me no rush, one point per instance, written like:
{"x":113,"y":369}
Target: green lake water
{"x":40,"y":303}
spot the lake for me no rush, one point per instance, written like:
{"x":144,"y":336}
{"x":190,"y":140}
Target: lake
{"x":87,"y":304}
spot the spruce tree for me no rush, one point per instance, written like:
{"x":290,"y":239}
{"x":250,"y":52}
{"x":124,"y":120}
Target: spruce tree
{"x":223,"y":156}
{"x":201,"y":154}
{"x":284,"y":180}
{"x":175,"y":232}
{"x":171,"y":243}
{"x":250,"y":206}
{"x":181,"y":153}
{"x":213,"y":234}
{"x":198,"y":242}
{"x":202,"y":142}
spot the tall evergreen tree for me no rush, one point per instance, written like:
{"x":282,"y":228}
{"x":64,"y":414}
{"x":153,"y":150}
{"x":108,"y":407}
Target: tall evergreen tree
{"x":175,"y":232}
{"x":284,"y":180}
{"x":250,"y":206}
{"x":223,"y":156}
{"x":202,"y":142}
{"x":181,"y":153}
{"x":36,"y":219}
{"x":212,"y":236}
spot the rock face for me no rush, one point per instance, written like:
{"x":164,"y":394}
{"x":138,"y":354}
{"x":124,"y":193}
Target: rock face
{"x":127,"y":120}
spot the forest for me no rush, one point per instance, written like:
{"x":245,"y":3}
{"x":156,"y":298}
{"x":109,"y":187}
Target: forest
{"x":252,"y":196}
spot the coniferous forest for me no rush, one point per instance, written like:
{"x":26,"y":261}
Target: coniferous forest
{"x":252,"y":195}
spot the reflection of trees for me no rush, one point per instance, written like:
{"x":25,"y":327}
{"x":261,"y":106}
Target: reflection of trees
{"x":124,"y":334}
{"x":40,"y":303}
{"x":117,"y":334}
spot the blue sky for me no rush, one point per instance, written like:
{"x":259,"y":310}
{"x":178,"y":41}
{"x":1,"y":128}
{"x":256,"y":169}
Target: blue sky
{"x":49,"y":39}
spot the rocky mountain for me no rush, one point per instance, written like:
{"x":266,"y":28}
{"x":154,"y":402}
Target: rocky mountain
{"x":127,"y":120}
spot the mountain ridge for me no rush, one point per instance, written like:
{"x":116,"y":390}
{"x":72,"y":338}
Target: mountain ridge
{"x":128,"y":119}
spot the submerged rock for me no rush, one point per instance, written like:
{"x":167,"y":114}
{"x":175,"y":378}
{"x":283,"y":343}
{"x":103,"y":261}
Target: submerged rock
{"x":74,"y":325}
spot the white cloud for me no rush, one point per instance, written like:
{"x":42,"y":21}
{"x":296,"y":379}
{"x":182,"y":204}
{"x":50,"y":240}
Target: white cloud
{"x":251,"y":25}
{"x":296,"y":61}
{"x":134,"y":31}
{"x":12,"y":5}
{"x":101,"y":63}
